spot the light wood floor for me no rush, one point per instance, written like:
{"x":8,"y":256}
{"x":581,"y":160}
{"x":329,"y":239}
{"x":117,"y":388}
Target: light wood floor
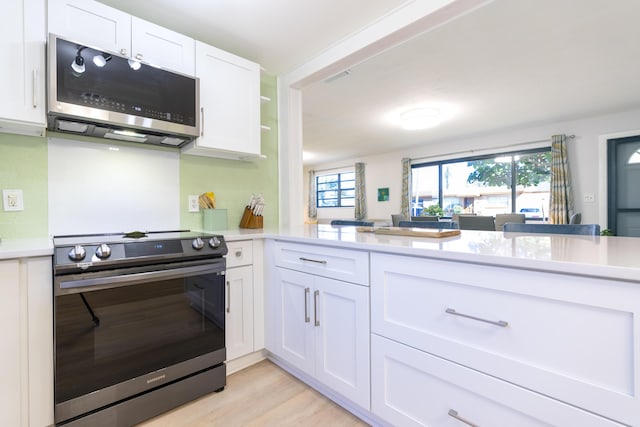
{"x":261,"y":395}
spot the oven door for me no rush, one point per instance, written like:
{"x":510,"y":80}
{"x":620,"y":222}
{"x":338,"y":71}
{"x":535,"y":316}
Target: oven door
{"x":118,"y":336}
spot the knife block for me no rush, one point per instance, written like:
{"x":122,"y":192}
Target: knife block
{"x":249,"y":220}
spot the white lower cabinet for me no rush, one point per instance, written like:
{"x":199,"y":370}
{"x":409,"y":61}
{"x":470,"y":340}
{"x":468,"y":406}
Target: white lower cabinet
{"x":26,"y":359}
{"x":322,"y":328}
{"x":573,"y":339}
{"x":414,"y":388}
{"x":242,"y":322}
{"x":239,"y":312}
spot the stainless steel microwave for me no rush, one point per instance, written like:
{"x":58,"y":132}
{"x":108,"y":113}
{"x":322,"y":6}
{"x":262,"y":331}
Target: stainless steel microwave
{"x":102,"y":94}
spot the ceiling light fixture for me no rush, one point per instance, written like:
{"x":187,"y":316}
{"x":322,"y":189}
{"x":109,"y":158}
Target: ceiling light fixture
{"x":420,"y":118}
{"x":78,"y":63}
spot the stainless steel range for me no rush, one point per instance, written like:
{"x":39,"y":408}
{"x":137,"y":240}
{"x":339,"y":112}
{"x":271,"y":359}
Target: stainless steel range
{"x":139,"y":324}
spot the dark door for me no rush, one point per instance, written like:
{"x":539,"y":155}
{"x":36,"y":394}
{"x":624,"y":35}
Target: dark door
{"x":623,"y":157}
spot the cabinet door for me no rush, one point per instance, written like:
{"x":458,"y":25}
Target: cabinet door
{"x":22,"y":77}
{"x":10,"y":356}
{"x":40,"y":340}
{"x":230,"y":101}
{"x":341,"y":317}
{"x":239,"y":312}
{"x":160,"y":46}
{"x":91,"y":23}
{"x":293,"y":313}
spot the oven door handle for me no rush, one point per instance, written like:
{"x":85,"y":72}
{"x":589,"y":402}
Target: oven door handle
{"x":97,"y":283}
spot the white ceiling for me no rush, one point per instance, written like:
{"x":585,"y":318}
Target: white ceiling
{"x":278,"y":34}
{"x":510,"y":63}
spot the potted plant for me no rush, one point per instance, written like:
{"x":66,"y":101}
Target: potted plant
{"x":433,"y":210}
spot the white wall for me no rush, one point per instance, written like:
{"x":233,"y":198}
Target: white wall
{"x":584,"y":161}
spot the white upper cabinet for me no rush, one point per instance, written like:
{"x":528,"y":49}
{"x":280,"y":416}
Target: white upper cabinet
{"x":22,"y":75}
{"x":91,"y":23}
{"x":157,"y":45}
{"x":103,"y":27}
{"x":230,"y":105}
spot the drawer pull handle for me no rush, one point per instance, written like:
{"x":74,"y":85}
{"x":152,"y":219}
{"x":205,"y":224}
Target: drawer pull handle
{"x":316,"y":294}
{"x":500,"y":323}
{"x":453,"y":413}
{"x":307,"y":319}
{"x":239,"y":253}
{"x":313,"y":260}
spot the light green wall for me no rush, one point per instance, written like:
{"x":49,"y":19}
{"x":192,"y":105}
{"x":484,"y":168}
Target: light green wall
{"x":234,"y":181}
{"x":23,"y":166}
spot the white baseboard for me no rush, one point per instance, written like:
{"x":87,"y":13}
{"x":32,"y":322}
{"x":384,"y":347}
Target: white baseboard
{"x":240,"y":363}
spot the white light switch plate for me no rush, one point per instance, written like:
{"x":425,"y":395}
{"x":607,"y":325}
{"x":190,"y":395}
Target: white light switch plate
{"x":12,"y":200}
{"x":193,"y":204}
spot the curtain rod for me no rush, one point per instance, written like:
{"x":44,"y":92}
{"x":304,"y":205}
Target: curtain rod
{"x":485,"y":149}
{"x":333,"y":169}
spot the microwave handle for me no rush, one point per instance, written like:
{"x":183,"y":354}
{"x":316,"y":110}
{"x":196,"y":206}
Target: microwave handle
{"x":35,"y":88}
{"x":201,"y":121}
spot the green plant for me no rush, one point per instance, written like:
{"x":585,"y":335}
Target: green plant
{"x":606,"y":232}
{"x":433,"y":210}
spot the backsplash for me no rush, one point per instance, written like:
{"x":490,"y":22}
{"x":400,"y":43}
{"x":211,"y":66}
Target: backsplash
{"x":98,"y":187}
{"x":23,"y":166}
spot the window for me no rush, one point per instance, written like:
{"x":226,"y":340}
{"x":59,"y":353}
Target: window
{"x":336,"y":190}
{"x":485,"y":185}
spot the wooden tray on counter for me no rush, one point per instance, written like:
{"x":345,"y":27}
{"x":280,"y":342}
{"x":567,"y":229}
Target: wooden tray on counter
{"x":413,"y":232}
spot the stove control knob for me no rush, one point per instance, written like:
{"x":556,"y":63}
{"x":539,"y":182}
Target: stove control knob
{"x":214,"y":242}
{"x":197,"y":244}
{"x":103,"y":251}
{"x":77,"y":253}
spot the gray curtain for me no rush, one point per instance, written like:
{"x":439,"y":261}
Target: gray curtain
{"x":561,"y":194}
{"x":313,"y":210}
{"x":406,"y":180}
{"x":360,"y":211}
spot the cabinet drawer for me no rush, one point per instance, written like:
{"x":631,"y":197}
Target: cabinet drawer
{"x":240,"y":253}
{"x":412,"y":388}
{"x":567,"y":337}
{"x":342,"y":264}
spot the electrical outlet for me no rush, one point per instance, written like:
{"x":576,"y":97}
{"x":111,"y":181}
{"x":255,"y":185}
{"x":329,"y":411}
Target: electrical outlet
{"x":12,"y":200}
{"x":193,"y":204}
{"x":589,"y":198}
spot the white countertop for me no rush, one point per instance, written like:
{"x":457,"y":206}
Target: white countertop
{"x":25,"y":248}
{"x":610,"y":257}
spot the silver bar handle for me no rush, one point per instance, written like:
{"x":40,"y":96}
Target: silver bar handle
{"x":453,"y":413}
{"x":228,"y":296}
{"x":35,"y":88}
{"x":136,"y":278}
{"x":316,"y":295}
{"x":201,"y":121}
{"x":317,"y":261}
{"x":500,"y":323}
{"x":307,"y":319}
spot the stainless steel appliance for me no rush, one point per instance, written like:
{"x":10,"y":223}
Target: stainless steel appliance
{"x":97,"y":93}
{"x":138,"y":324}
